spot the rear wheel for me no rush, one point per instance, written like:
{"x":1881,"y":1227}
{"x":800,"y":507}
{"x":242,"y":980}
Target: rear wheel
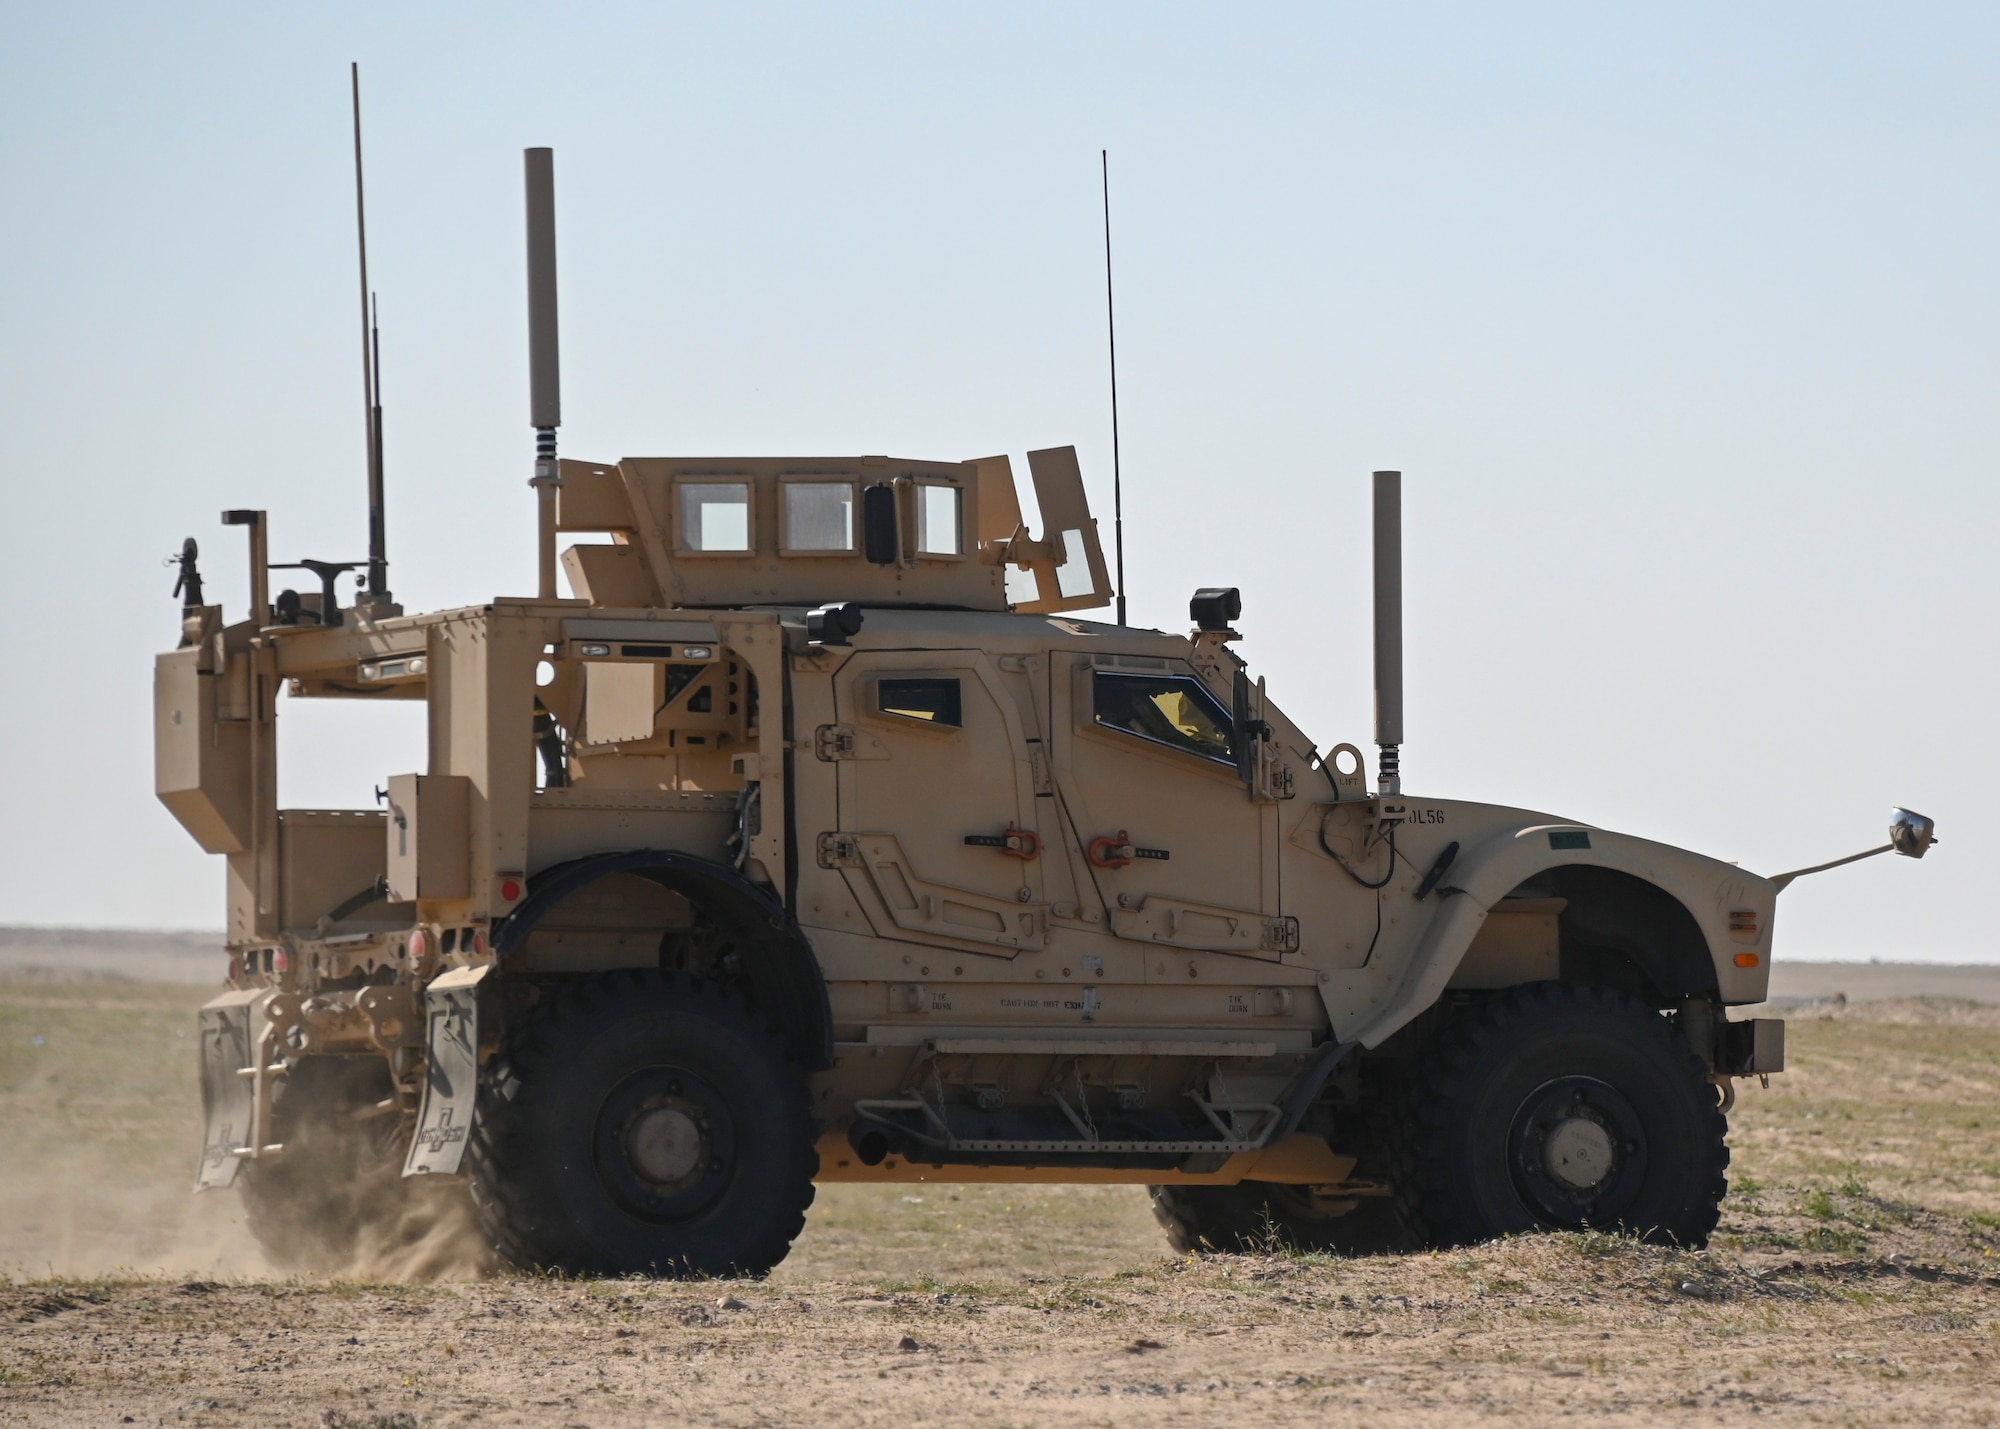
{"x":1561,"y":1106}
{"x":643,"y":1123}
{"x":1265,"y":1215}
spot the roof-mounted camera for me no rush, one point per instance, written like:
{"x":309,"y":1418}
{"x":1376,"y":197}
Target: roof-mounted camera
{"x":1216,"y":607}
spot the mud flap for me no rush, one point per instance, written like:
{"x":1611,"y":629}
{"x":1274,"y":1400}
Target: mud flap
{"x":451,"y":1081}
{"x":226,"y":1095}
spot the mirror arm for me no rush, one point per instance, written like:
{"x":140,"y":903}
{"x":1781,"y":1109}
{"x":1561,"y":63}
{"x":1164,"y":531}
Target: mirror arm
{"x":1783,"y":879}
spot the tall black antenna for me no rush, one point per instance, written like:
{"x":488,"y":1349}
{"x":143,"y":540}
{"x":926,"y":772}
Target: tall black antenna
{"x":1111,"y":327}
{"x":377,"y":555}
{"x":371,"y":394}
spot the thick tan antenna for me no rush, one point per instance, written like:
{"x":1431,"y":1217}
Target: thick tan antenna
{"x":544,"y":371}
{"x":1389,"y":630}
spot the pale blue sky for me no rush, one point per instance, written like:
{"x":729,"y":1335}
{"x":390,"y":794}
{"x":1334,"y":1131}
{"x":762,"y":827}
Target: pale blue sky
{"x":1680,"y":319}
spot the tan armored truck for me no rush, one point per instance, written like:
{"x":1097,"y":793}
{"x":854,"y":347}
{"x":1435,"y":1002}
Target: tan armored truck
{"x":798,"y":845}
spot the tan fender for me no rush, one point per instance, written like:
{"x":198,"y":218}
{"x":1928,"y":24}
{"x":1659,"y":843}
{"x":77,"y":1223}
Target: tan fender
{"x":1487,"y":871}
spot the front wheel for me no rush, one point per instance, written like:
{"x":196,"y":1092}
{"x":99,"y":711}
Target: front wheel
{"x":643,"y":1123}
{"x":1561,"y":1106}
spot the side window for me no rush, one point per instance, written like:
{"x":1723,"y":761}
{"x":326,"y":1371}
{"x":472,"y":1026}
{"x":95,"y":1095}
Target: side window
{"x":1173,"y":710}
{"x":819,"y":516}
{"x":932,"y":699}
{"x":940,"y":520}
{"x":715,"y":516}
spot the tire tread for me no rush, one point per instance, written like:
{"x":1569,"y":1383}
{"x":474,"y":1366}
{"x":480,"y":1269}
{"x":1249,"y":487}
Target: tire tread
{"x":1421,"y":1162}
{"x":501,"y":1147}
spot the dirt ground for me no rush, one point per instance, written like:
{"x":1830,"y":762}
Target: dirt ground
{"x":1856,"y":1280}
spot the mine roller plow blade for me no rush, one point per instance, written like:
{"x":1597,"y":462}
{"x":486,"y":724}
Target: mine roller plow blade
{"x":451,"y":1086}
{"x":227,"y":1098}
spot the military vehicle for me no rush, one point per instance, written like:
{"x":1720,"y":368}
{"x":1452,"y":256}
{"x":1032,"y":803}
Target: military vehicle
{"x":816,"y":837}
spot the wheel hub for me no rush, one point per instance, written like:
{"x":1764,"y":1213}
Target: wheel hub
{"x":1577,"y":1150}
{"x":1578,"y":1153}
{"x":665,"y":1144}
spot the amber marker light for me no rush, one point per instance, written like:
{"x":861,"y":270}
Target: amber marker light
{"x":1746,"y":960}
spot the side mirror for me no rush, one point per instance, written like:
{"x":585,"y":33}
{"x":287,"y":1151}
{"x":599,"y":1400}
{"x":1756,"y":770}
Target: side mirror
{"x":1911,"y":834}
{"x":1240,"y":733}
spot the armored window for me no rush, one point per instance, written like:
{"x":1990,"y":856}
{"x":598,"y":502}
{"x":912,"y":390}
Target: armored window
{"x":715,"y":516}
{"x":819,"y":515}
{"x":1172,"y":710}
{"x":940,"y":521}
{"x":934,"y":701}
{"x":1073,"y":576}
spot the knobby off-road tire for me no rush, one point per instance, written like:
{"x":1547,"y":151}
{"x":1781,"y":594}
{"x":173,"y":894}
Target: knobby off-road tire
{"x":1560,"y":1106}
{"x":643,"y":1123}
{"x":335,"y":1199}
{"x":1260,"y":1215}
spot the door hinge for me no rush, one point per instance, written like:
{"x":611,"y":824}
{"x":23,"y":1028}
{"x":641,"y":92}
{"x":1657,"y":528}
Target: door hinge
{"x":1274,"y":777}
{"x":834,"y":741}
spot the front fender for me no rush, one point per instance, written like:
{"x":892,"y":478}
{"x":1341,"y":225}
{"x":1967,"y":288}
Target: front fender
{"x":1732,"y":909}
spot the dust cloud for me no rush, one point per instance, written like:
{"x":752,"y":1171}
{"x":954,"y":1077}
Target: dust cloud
{"x":100,"y":1128}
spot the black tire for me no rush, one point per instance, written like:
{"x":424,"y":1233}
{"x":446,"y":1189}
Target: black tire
{"x":643,"y":1123}
{"x":1560,"y":1106}
{"x":335,"y":1199}
{"x":1266,"y":1216}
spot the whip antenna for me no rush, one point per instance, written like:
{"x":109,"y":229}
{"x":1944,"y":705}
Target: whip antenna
{"x":1111,"y":328}
{"x":371,"y":391}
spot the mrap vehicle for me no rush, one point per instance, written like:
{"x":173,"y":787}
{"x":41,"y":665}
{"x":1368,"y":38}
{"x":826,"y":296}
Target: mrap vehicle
{"x":797,"y":846}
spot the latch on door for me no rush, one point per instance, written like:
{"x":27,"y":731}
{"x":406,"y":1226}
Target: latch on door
{"x":838,"y":850}
{"x":1117,"y":850}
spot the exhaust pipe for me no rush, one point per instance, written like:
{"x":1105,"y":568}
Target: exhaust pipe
{"x":1389,"y":631}
{"x":544,"y":374}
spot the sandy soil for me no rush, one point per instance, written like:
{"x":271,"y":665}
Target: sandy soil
{"x":1856,"y":1279}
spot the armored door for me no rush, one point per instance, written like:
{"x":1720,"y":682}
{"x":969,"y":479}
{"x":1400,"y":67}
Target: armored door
{"x":1146,"y":763}
{"x":937,"y":800}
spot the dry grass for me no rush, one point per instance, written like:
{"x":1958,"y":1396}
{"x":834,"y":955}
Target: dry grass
{"x":1856,"y":1280}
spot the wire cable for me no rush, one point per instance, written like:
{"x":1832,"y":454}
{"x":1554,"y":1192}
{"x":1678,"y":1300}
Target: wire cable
{"x":1313,"y":757}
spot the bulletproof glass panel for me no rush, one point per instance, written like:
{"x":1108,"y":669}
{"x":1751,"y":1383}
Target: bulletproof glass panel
{"x":715,"y":516}
{"x":819,"y":516}
{"x":1173,"y":710}
{"x":1073,"y":576}
{"x":935,"y":701}
{"x":940,"y":527}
